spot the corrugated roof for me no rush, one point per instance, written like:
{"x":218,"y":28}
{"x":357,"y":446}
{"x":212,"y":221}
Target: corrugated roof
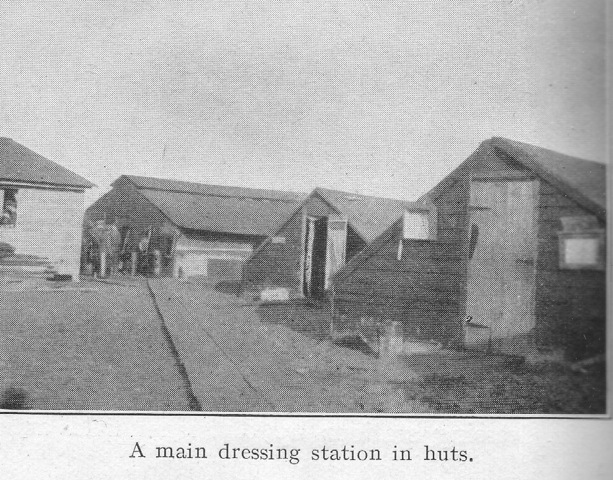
{"x":217,"y":208}
{"x":20,"y":164}
{"x":206,"y":189}
{"x":576,"y":176}
{"x":368,"y":215}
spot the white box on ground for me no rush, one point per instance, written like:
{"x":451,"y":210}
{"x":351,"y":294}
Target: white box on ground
{"x":274,"y":295}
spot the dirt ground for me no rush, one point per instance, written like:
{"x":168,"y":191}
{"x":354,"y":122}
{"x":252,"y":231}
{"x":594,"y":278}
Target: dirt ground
{"x":103,"y":346}
{"x":285,"y":355}
{"x":86,"y":346}
{"x":467,"y":382}
{"x":236,"y":362}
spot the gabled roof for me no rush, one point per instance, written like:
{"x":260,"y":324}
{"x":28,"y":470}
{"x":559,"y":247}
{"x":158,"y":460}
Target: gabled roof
{"x":368,"y":216}
{"x":584,"y":181}
{"x":216,"y":208}
{"x":179,"y":186}
{"x":20,"y":164}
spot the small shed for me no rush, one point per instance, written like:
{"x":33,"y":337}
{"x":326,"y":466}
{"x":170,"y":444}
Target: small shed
{"x":326,"y":230}
{"x":42,"y":210}
{"x":510,"y":255}
{"x":186,"y":229}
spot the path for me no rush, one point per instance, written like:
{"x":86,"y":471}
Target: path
{"x":237,"y":363}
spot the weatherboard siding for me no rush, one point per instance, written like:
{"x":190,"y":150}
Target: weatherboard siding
{"x":565,"y":299}
{"x":48,"y":225}
{"x":279,"y":264}
{"x":427,"y":289}
{"x":424,"y":289}
{"x":126,"y":205}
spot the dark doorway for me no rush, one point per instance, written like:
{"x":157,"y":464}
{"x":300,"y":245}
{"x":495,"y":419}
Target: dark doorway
{"x":315,"y":257}
{"x":318,"y":275}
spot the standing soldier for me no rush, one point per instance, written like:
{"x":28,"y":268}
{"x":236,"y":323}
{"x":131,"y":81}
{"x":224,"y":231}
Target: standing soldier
{"x":9,"y":210}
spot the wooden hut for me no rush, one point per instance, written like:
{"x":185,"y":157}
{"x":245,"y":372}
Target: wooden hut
{"x":507,"y":254}
{"x":42,"y":210}
{"x":327,"y":229}
{"x":186,"y":229}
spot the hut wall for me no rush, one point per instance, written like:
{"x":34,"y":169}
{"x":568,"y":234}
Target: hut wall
{"x":219,"y":256}
{"x":568,"y":302}
{"x":128,"y":207}
{"x":48,"y":225}
{"x":424,"y":289}
{"x":277,"y":264}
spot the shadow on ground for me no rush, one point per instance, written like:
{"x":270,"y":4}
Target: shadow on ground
{"x":307,"y":317}
{"x":14,"y":398}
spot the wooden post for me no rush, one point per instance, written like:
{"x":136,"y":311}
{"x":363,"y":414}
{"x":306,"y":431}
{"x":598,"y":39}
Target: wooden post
{"x":332,"y":312}
{"x":157,"y":263}
{"x":102,"y":263}
{"x":303,"y":223}
{"x":134,"y":265}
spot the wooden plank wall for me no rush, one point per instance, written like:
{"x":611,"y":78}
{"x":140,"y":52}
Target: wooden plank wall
{"x":48,"y":225}
{"x":125,"y":204}
{"x":424,"y":289}
{"x":129,"y":207}
{"x":565,"y":299}
{"x":278,"y":264}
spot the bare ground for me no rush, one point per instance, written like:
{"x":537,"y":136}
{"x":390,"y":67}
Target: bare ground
{"x":86,"y":346}
{"x":236,"y":362}
{"x":102,"y":346}
{"x":465,"y":382}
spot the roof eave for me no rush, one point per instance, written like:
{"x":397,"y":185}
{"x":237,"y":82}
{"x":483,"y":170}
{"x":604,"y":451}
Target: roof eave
{"x":80,"y":186}
{"x":534,"y":165}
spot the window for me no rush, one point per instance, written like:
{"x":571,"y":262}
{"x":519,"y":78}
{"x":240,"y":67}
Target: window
{"x":581,"y":244}
{"x":419,"y":223}
{"x":8,"y":217}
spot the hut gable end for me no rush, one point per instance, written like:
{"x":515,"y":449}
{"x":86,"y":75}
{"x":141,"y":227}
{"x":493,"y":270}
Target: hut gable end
{"x":429,"y":285}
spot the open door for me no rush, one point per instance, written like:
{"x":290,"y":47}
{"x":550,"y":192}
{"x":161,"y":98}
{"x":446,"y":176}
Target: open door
{"x":324,"y":253}
{"x":336,"y":246}
{"x":315,"y":257}
{"x":501,"y":264}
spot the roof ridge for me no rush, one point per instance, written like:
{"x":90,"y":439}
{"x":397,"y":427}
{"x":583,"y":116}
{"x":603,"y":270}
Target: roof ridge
{"x":221,"y":195}
{"x":556,"y":168}
{"x":257,"y":193}
{"x":519,"y":144}
{"x":343,"y":192}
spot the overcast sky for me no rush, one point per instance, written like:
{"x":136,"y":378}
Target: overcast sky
{"x":381,"y":98}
